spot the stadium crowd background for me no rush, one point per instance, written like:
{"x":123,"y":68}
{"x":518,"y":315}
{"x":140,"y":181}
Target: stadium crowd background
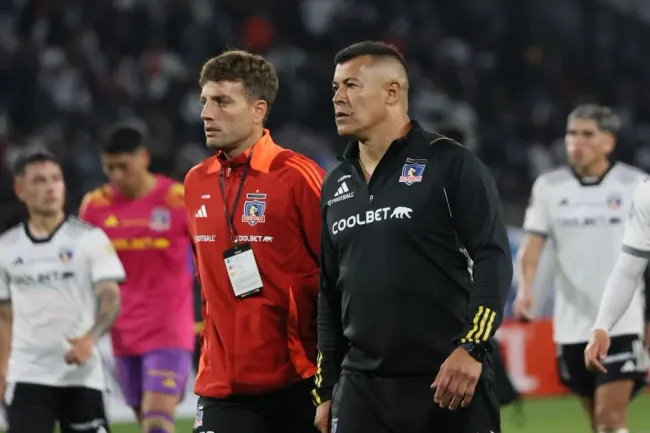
{"x":504,"y":72}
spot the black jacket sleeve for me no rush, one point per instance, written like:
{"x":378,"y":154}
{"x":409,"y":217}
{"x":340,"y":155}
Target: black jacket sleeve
{"x":475,"y":209}
{"x":331,"y":342}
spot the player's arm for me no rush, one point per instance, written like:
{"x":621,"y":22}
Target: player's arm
{"x":108,"y":296}
{"x":631,"y":264}
{"x":536,"y":228}
{"x":475,"y":209}
{"x":6,"y":320}
{"x":307,"y":185}
{"x":646,"y":295}
{"x":106,"y":273}
{"x":331,"y":342}
{"x":199,"y":319}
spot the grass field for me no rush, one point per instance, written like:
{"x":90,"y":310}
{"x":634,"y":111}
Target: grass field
{"x":557,"y":415}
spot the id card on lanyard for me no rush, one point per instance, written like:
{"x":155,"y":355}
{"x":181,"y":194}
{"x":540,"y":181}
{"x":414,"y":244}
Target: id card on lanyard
{"x":239,"y":260}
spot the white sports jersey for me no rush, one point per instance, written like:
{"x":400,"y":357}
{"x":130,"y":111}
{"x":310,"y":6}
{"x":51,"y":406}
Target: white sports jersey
{"x":637,"y":236}
{"x":51,"y":284}
{"x":586,"y":222}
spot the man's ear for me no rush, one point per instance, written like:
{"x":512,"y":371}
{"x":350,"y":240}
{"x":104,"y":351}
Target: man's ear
{"x":145,"y":156}
{"x":393,"y":92}
{"x":260,"y":108}
{"x":19,"y":184}
{"x":610,"y":143}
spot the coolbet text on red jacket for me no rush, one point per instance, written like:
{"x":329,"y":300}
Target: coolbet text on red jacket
{"x":266,"y":341}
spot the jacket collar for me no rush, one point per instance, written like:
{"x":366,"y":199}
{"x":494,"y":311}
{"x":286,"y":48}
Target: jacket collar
{"x":258,"y":150}
{"x":351,"y":151}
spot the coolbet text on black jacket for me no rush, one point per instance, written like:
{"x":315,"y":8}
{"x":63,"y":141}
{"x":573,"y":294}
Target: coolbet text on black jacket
{"x":398,"y":291}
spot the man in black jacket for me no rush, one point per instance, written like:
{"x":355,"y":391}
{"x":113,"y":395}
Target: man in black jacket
{"x":415,"y":266}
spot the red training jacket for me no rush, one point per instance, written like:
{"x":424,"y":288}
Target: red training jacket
{"x":267,"y":341}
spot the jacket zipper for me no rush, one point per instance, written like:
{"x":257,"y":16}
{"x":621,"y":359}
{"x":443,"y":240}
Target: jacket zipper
{"x":364,"y":182}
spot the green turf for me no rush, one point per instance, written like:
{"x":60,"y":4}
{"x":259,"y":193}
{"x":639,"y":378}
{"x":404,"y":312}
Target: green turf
{"x":556,"y":415}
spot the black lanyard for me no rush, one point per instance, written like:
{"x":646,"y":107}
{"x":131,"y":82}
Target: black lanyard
{"x":230,"y":216}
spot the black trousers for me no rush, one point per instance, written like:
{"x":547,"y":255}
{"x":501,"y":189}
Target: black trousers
{"x":285,"y":411}
{"x":364,"y":404}
{"x":37,"y":408}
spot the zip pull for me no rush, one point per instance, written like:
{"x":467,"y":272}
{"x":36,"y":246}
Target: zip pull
{"x":371,"y":198}
{"x":228,"y":171}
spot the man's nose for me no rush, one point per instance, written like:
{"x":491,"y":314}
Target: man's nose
{"x":117,"y":176}
{"x":339,"y":97}
{"x":206,"y":113}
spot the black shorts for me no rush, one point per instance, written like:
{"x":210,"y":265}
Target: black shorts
{"x":626,"y":360}
{"x":363,"y":404}
{"x":286,"y":411}
{"x":36,"y":408}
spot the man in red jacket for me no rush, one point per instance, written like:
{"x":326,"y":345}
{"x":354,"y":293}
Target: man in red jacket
{"x":254,"y":221}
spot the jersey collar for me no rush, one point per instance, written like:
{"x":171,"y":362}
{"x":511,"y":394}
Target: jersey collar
{"x":352,"y":150}
{"x":592,"y":181}
{"x":47,"y":239}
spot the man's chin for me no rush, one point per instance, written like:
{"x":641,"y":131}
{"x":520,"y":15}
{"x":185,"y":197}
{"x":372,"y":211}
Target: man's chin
{"x":216,"y":145}
{"x":213,"y":144}
{"x":345,"y":131}
{"x":49,"y":211}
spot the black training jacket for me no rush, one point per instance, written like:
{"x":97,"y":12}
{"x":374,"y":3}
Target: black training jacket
{"x":396,"y":291}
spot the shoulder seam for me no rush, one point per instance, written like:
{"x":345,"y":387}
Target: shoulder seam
{"x":305,"y":167}
{"x":10,"y":231}
{"x":440,"y":137}
{"x":81,"y":223}
{"x":562,"y":169}
{"x":631,"y":168}
{"x":194,"y":170}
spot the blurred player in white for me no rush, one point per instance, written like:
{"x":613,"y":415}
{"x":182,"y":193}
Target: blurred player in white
{"x":622,"y":286}
{"x":584,"y":208}
{"x":58,"y":295}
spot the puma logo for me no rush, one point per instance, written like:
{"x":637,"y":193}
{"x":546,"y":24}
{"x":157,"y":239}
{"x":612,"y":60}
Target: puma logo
{"x":401,"y":212}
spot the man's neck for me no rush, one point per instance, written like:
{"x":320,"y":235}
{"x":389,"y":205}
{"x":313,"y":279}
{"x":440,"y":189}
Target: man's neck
{"x":595,"y":170}
{"x":244,"y":145}
{"x":372,"y":149}
{"x":143,"y":188}
{"x":42,"y":226}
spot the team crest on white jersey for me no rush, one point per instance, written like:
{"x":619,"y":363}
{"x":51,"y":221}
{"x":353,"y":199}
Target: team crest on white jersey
{"x":65,"y":255}
{"x":614,"y":201}
{"x":412,"y":171}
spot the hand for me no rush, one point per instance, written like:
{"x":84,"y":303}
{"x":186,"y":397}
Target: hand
{"x":322,"y":419}
{"x":596,"y":351}
{"x":523,"y":305}
{"x":456,"y":381}
{"x":81,"y":350}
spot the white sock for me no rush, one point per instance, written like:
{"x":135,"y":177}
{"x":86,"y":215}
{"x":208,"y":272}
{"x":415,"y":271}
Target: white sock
{"x":620,"y":430}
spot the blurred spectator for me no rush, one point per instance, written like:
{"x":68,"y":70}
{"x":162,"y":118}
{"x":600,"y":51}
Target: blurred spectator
{"x":502,"y":72}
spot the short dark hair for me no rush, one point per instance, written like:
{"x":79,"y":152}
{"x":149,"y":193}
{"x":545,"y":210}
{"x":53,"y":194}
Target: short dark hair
{"x":30,"y":157}
{"x":257,"y":75}
{"x":125,"y":137}
{"x":370,"y":48}
{"x":604,"y":117}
